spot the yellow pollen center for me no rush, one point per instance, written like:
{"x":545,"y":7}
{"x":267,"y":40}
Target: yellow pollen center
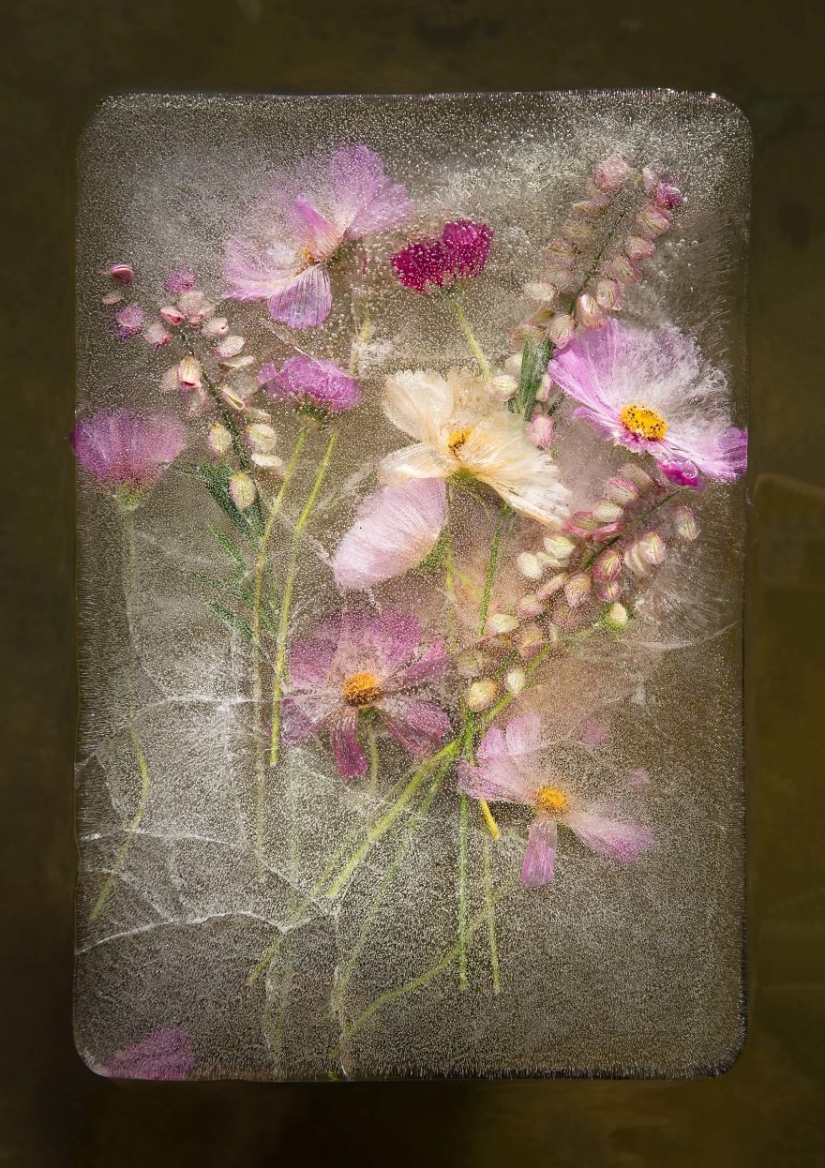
{"x":307,"y":257}
{"x":643,"y":422}
{"x":457,"y":439}
{"x":361,"y":689}
{"x":551,"y":801}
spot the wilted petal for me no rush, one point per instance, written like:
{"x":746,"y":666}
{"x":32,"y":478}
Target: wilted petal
{"x":539,"y":858}
{"x":609,"y":837}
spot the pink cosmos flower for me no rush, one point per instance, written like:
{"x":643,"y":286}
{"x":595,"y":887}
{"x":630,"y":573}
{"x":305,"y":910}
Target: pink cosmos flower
{"x":166,"y":1054}
{"x":425,"y":265}
{"x":355,"y":665}
{"x":394,"y":530}
{"x":125,"y":453}
{"x":651,"y":392}
{"x":509,"y":770}
{"x":312,"y":384}
{"x":338,"y":201}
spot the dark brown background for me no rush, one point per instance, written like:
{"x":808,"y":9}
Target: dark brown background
{"x":767,"y":55}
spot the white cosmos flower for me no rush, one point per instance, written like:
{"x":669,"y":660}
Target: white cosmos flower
{"x":459,"y":428}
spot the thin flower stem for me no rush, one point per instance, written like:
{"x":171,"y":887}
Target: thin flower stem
{"x":372,"y":744}
{"x":131,"y":829}
{"x":463,"y":812}
{"x":491,"y":916}
{"x":286,"y":600}
{"x":260,"y":568}
{"x":473,"y":344}
{"x":489,"y":579}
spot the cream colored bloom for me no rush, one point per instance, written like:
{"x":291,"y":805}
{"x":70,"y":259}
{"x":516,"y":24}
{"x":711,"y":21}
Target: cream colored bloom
{"x":459,"y":429}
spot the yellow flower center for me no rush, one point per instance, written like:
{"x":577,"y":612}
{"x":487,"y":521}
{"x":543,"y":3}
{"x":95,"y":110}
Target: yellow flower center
{"x":308,"y":258}
{"x":643,"y":422}
{"x":457,"y":439}
{"x":551,"y":801}
{"x":361,"y":689}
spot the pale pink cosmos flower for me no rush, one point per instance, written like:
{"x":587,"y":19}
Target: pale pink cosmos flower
{"x":126,"y":453}
{"x":314,"y":385}
{"x":509,"y":770}
{"x":355,"y":666}
{"x":394,"y":529}
{"x":166,"y":1054}
{"x":653,"y":393}
{"x":334,"y":201}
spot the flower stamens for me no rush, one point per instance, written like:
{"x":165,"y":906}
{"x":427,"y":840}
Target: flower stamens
{"x":551,"y":801}
{"x":643,"y":422}
{"x":361,"y":689}
{"x":457,"y":439}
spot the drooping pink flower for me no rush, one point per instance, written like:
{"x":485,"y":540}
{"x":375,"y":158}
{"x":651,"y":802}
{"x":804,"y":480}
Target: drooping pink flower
{"x":129,"y":321}
{"x":394,"y":530}
{"x":166,"y":1054}
{"x":651,"y":392}
{"x":510,"y":770}
{"x":126,"y":453}
{"x":355,"y":666}
{"x":334,"y":201}
{"x":314,"y":385}
{"x":461,"y":252}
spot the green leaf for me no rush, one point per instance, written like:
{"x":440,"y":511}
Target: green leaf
{"x":533,"y":368}
{"x":226,"y":544}
{"x":231,"y":620}
{"x":215,"y":477}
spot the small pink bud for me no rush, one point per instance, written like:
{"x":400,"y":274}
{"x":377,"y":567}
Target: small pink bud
{"x":638,"y":249}
{"x":515,"y":681}
{"x":266,"y":461}
{"x":559,"y":548}
{"x":481,"y":694}
{"x":157,"y":335}
{"x":589,"y":312}
{"x":545,"y":389}
{"x":632,"y":471}
{"x":219,"y":439}
{"x":230,"y":347}
{"x":169,"y":382}
{"x":543,"y":293}
{"x":242,"y":489}
{"x":608,"y":590}
{"x":652,"y":548}
{"x":530,"y":566}
{"x":189,"y":373}
{"x":685,"y":523}
{"x":561,"y":251}
{"x":513,"y":364}
{"x":111,"y":299}
{"x":616,"y":617}
{"x":123,"y":273}
{"x":529,"y":639}
{"x":540,"y":431}
{"x":667,"y":195}
{"x":501,"y":623}
{"x":579,"y":233}
{"x":608,"y":294}
{"x":562,"y":277}
{"x":607,"y":565}
{"x":634,"y":560}
{"x":611,"y":173}
{"x":551,"y":586}
{"x":216,"y":326}
{"x":607,"y":512}
{"x":196,"y":402}
{"x":620,"y":490}
{"x":180,"y":280}
{"x":529,"y":607}
{"x":561,"y":330}
{"x":261,"y":437}
{"x":577,"y":589}
{"x":591,"y":208}
{"x":503,"y":387}
{"x":172,"y":315}
{"x":242,"y":362}
{"x":653,"y":221}
{"x":621,"y":269}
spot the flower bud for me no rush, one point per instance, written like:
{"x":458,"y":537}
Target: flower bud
{"x":652,"y":221}
{"x":219,"y":439}
{"x":501,"y":623}
{"x":685,"y":523}
{"x":472,"y":663}
{"x":561,"y":251}
{"x":242,"y":362}
{"x":561,"y":276}
{"x":638,"y":249}
{"x":577,"y":589}
{"x":513,"y":364}
{"x":561,"y":330}
{"x":559,"y":547}
{"x":635,"y":473}
{"x":608,"y":294}
{"x":652,"y":548}
{"x":169,"y":382}
{"x":607,"y":565}
{"x":608,"y":590}
{"x":530,"y":566}
{"x":616,"y":616}
{"x":529,"y":639}
{"x":172,"y":315}
{"x":635,"y":561}
{"x":579,"y":233}
{"x":621,"y":490}
{"x":268,"y":462}
{"x":190,"y":302}
{"x":607,"y":512}
{"x":242,"y":490}
{"x":529,"y":607}
{"x":261,"y":437}
{"x":111,"y":299}
{"x":156,"y":335}
{"x":229,"y":347}
{"x":589,"y":312}
{"x":591,"y":208}
{"x":129,"y":321}
{"x":552,"y":586}
{"x":122,"y":273}
{"x":542,"y":292}
{"x":545,"y":389}
{"x":515,"y":681}
{"x":197,"y":403}
{"x":216,"y":326}
{"x":540,"y":431}
{"x":503,"y":387}
{"x":189,"y":373}
{"x":611,"y":173}
{"x":621,"y":269}
{"x":481,"y":694}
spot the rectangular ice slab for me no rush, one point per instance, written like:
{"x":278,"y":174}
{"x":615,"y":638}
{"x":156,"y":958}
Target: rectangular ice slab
{"x":410,"y":507}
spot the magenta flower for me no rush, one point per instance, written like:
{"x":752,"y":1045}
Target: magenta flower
{"x":510,"y":770}
{"x":180,"y":280}
{"x":339,"y":200}
{"x":395,"y":529}
{"x":651,"y":392}
{"x":125,"y":453}
{"x":129,"y":321}
{"x":355,"y":665}
{"x":315,"y":386}
{"x":425,"y":265}
{"x":166,"y":1054}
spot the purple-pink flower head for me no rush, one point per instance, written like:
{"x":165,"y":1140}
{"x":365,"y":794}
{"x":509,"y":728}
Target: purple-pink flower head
{"x":356,"y":666}
{"x":315,"y":386}
{"x":129,"y":321}
{"x":304,"y":224}
{"x":125,"y":453}
{"x":461,"y":252}
{"x":166,"y":1054}
{"x":180,"y":280}
{"x":510,"y":769}
{"x":652,"y":392}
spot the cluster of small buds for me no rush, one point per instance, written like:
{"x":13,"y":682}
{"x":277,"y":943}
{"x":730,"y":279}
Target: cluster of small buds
{"x":599,"y":250}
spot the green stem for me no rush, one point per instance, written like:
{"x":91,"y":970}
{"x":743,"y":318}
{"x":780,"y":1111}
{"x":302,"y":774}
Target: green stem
{"x":133,"y":825}
{"x":503,"y":516}
{"x":491,"y":916}
{"x":372,"y":744}
{"x":470,"y":338}
{"x":286,"y":601}
{"x":462,"y":889}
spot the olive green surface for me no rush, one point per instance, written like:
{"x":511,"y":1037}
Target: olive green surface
{"x":59,"y":59}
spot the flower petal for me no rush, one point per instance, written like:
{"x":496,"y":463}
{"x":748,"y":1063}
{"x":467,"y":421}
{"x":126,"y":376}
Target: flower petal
{"x":321,"y":237}
{"x":305,"y":301}
{"x":419,"y":726}
{"x":523,"y":734}
{"x":364,"y":198}
{"x":343,"y":736}
{"x":166,"y":1054}
{"x":428,"y":667}
{"x":310,"y":662}
{"x":539,"y":858}
{"x":609,"y":837}
{"x":418,"y":402}
{"x":416,"y":462}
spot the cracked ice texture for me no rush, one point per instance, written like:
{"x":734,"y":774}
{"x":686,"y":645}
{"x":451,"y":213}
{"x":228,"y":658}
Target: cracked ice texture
{"x":613,"y":971}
